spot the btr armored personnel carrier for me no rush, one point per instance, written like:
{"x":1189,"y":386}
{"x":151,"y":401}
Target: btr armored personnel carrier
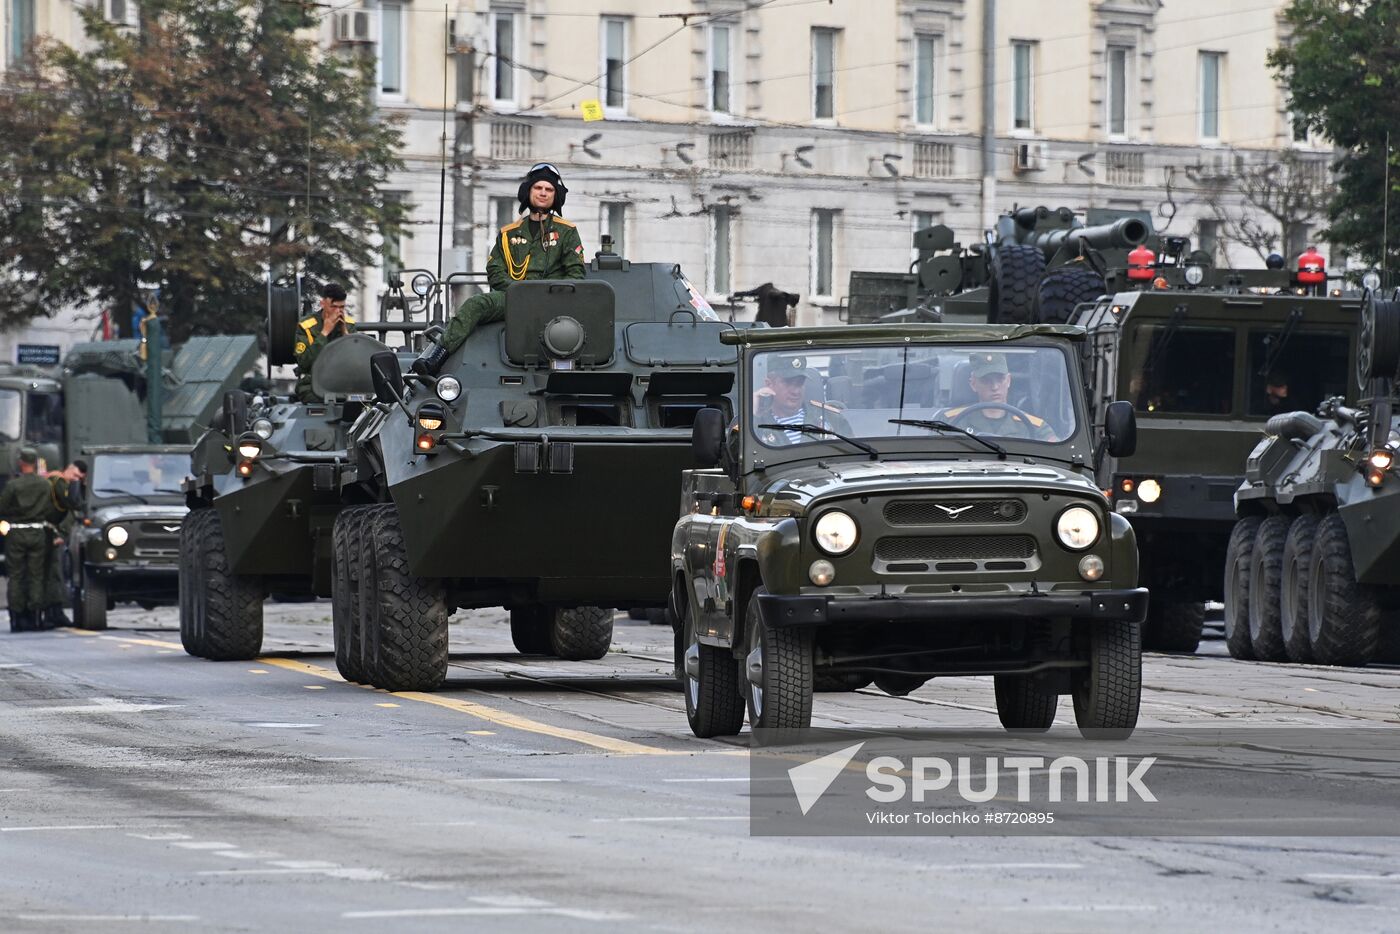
{"x":263,"y":491}
{"x":1205,"y":365}
{"x":538,"y":470}
{"x":1312,"y":572}
{"x":898,"y":503}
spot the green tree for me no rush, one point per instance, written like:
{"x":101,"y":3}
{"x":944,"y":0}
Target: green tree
{"x":1340,"y":67}
{"x":189,"y":155}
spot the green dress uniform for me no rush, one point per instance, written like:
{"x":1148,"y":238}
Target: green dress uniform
{"x":61,"y":518}
{"x":1010,"y":425}
{"x":524,"y":250}
{"x":25,"y":504}
{"x":310,"y":342}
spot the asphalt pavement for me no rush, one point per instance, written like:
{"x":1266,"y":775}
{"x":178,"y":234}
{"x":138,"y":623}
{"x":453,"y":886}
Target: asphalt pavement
{"x":144,"y":790}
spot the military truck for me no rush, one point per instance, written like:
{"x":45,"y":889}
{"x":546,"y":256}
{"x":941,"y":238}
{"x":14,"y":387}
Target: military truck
{"x":124,"y":543}
{"x":930,"y":509}
{"x":537,"y":470}
{"x":1035,"y":265}
{"x":1312,"y":571}
{"x":1205,"y":365}
{"x":264,"y":488}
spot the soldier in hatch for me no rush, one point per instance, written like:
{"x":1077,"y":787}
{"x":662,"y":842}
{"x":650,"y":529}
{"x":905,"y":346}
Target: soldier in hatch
{"x":315,"y":332}
{"x":785,"y":399}
{"x":991,"y":380}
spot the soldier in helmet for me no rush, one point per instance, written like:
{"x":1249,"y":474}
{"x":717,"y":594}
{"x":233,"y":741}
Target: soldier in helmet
{"x":786,"y":399}
{"x":541,"y":245}
{"x":24,"y":506}
{"x":991,"y":380}
{"x":315,"y":332}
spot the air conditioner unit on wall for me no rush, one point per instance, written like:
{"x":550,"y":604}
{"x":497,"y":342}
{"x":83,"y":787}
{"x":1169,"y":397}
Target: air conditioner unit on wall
{"x":354,"y":26}
{"x":1028,"y":157}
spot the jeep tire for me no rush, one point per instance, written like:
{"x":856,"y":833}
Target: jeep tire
{"x":403,"y":619}
{"x":1108,"y":692}
{"x":91,"y":607}
{"x":714,"y":705}
{"x":777,"y":672}
{"x":1024,"y":704}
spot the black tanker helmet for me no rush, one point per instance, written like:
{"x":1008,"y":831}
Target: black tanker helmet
{"x":542,"y":171}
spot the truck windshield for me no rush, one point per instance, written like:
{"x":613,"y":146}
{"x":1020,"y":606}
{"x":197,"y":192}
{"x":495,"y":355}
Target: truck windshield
{"x":45,"y":422}
{"x":1311,"y":367}
{"x":1181,"y":369}
{"x":1021,"y":393}
{"x":140,"y":474}
{"x":9,"y":415}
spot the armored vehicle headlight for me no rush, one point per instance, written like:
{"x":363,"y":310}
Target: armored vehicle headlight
{"x":262,"y":428}
{"x":117,"y":535}
{"x":448,"y":388}
{"x":836,"y":532}
{"x":1195,"y":275}
{"x":1371,"y":280}
{"x":4,"y":527}
{"x":1149,"y":490}
{"x":429,"y":422}
{"x":1077,"y":528}
{"x":250,"y":447}
{"x":421,"y":284}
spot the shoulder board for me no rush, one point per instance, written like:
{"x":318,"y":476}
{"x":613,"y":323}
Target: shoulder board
{"x":1037,"y":422}
{"x":828,"y":406}
{"x":308,"y":322}
{"x":559,"y":220}
{"x":955,"y":412}
{"x":512,"y":226}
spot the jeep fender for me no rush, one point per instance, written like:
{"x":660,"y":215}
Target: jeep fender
{"x":1124,"y":566}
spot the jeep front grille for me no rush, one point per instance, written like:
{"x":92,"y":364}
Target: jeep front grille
{"x":954,"y":511}
{"x":955,"y":553}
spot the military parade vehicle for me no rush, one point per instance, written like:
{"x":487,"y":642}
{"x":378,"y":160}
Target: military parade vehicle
{"x":263,"y":487}
{"x":898,"y":503}
{"x":1312,"y":571}
{"x":1206,"y":356}
{"x":124,"y":543}
{"x":1035,"y":265}
{"x":564,"y":429}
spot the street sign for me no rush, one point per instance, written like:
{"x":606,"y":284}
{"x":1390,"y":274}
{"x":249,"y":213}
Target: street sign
{"x":37,"y":354}
{"x":592,"y":110}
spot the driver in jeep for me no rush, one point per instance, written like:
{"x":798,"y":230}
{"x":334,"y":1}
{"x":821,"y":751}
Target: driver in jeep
{"x":991,"y":414}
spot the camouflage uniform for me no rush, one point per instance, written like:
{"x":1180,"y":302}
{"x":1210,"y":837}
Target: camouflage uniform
{"x":552,"y":250}
{"x":983,"y":422}
{"x":310,"y":342}
{"x":26,"y":501}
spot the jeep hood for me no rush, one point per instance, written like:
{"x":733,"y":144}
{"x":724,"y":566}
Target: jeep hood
{"x":806,"y":483}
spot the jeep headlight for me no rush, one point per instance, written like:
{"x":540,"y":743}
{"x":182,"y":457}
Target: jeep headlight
{"x":117,"y":535}
{"x":448,"y":388}
{"x":1077,"y":528}
{"x":836,"y":532}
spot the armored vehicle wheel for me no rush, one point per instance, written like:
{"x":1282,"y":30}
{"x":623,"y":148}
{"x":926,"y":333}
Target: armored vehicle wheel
{"x":1173,"y":625}
{"x":94,"y":602}
{"x":714,"y":705}
{"x":191,"y":531}
{"x":529,"y":629}
{"x":776,"y":673}
{"x":1063,"y":289}
{"x":1265,"y":584}
{"x":1107,"y":694}
{"x":899,"y":685}
{"x":581,"y":633}
{"x":837,"y":682}
{"x":403,"y":618}
{"x":1293,"y":594}
{"x":1237,"y":559}
{"x":1343,"y":617}
{"x":225,"y":608}
{"x":1024,"y":704}
{"x":345,"y":550}
{"x":1016,"y":273}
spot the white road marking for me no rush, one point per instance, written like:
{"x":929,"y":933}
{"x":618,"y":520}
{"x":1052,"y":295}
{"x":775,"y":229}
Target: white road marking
{"x":248,"y":854}
{"x":474,"y":781}
{"x":677,"y":780}
{"x":106,"y":918}
{"x":958,"y":867}
{"x":206,"y":845}
{"x":577,"y":914}
{"x":16,"y":665}
{"x":160,"y":836}
{"x":660,"y":820}
{"x":59,"y":827}
{"x":1353,"y":877}
{"x":104,"y":705}
{"x":351,"y":873}
{"x":270,"y":725}
{"x":344,"y":758}
{"x":1080,"y":908}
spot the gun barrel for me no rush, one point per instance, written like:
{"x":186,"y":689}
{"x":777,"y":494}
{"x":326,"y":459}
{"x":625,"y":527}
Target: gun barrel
{"x":1123,"y":234}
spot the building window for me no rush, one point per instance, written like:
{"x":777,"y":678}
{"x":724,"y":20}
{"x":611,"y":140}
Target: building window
{"x":612,"y":222}
{"x":503,"y":34}
{"x":391,"y":37}
{"x":1210,"y":94}
{"x":925,"y":79}
{"x":1117,"y":97}
{"x":21,"y":29}
{"x":1022,"y":103}
{"x":721,"y":46}
{"x":391,"y":253}
{"x":614,"y":68}
{"x":504,"y":211}
{"x":823,"y":250}
{"x":721,"y":227}
{"x":1208,"y":238}
{"x":824,"y":73}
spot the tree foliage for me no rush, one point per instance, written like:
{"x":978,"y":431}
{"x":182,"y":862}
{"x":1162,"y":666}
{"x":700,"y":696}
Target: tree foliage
{"x":189,"y":155}
{"x":1341,"y":66}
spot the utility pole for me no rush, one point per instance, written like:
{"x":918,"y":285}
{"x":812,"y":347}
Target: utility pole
{"x":463,"y":157}
{"x":989,"y":114}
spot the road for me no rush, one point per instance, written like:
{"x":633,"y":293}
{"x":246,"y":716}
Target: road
{"x":144,"y":790}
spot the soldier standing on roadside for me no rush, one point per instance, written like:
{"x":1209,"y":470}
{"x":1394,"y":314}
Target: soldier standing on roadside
{"x":315,"y":332}
{"x":61,"y":502}
{"x":24,"y":505}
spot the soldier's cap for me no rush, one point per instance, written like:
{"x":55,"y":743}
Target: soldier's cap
{"x":788,"y":367}
{"x":985,"y":364}
{"x":28,"y":456}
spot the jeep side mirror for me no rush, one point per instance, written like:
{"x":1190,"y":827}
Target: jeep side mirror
{"x":707,"y":437}
{"x":388,"y":379}
{"x":1120,"y":428}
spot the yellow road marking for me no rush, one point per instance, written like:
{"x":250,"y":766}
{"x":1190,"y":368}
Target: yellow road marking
{"x":79,"y":632}
{"x":158,"y":643}
{"x":482,"y":732}
{"x":314,"y":687}
{"x":257,"y":671}
{"x":386,"y":705}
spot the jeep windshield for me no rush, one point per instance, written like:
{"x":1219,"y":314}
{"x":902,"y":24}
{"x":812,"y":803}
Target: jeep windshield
{"x":936,"y":393}
{"x":140,"y":476}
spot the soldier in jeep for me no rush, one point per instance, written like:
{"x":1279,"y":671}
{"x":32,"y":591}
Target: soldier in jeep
{"x":786,"y":399}
{"x":990,"y":378}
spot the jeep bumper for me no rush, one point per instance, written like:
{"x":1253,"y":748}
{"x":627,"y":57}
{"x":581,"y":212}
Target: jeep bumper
{"x":816,"y":610}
